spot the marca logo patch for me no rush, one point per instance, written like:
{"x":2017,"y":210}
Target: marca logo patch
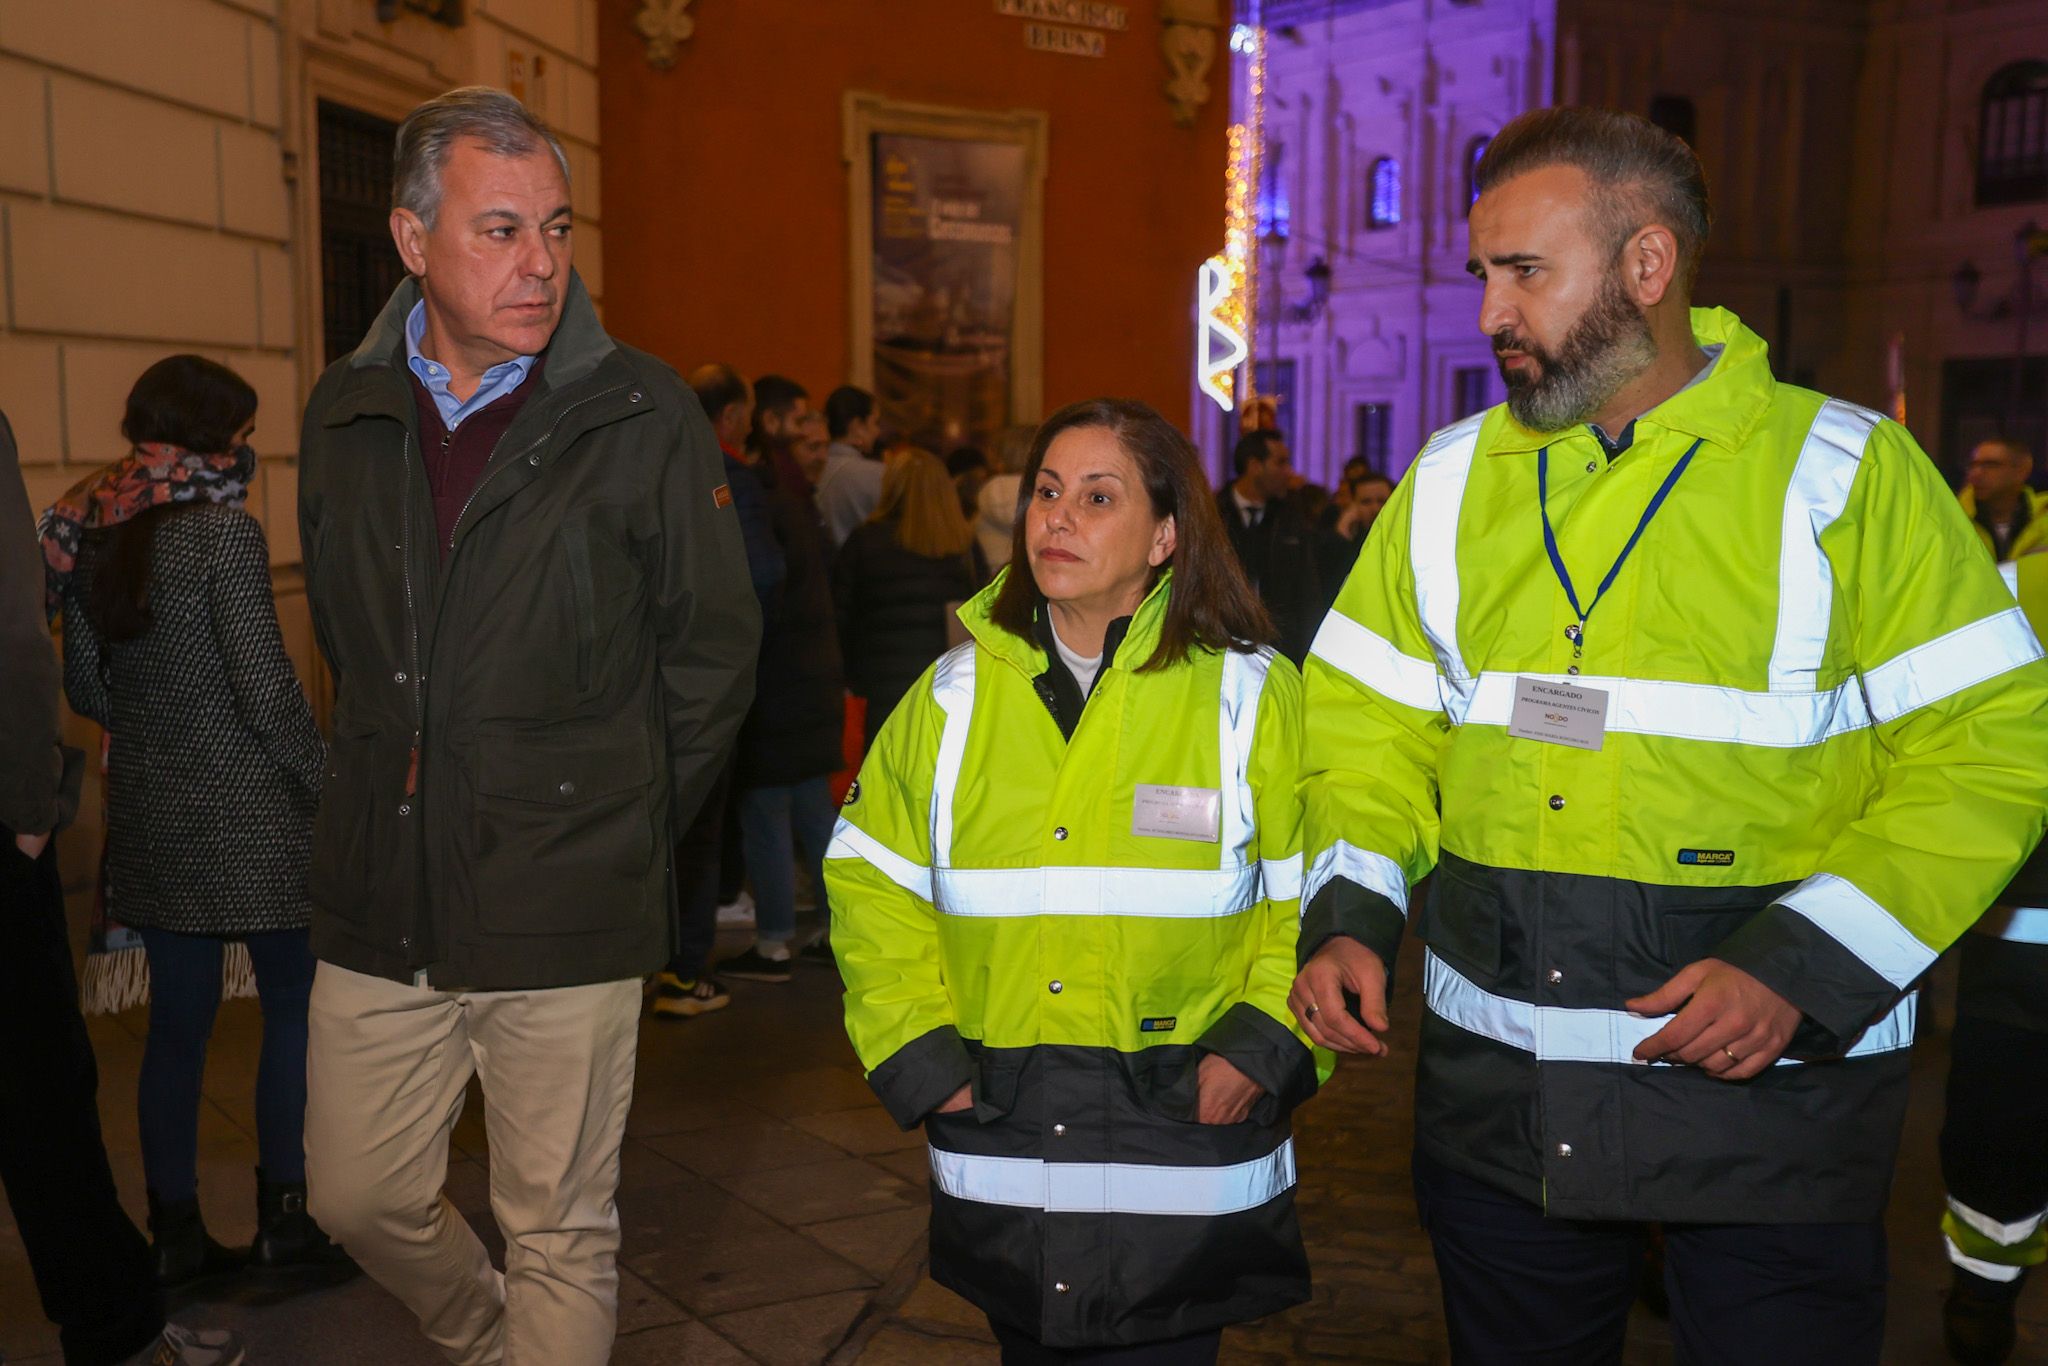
{"x":852,"y":793}
{"x":1707,"y":858}
{"x":722,"y":496}
{"x":1158,"y":1024}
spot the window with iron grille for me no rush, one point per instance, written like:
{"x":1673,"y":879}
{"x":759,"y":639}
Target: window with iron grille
{"x":1469,"y":391}
{"x":1375,"y":424}
{"x":359,"y":267}
{"x":1474,"y":151}
{"x":1676,"y":115}
{"x":2012,"y":148}
{"x":1384,"y":205}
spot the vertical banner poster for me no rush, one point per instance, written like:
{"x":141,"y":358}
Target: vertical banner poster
{"x":947,"y":217}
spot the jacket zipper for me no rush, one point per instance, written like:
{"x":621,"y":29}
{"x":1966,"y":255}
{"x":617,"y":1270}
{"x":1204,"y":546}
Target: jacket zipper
{"x":546,"y":437}
{"x":412,"y":773}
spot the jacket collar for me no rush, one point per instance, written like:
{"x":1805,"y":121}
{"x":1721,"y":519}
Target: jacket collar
{"x":1139,"y":641}
{"x":1720,"y":410}
{"x":374,"y":382}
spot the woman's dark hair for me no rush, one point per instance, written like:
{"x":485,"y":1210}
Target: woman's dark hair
{"x":1213,"y":605}
{"x":182,"y":400}
{"x":189,"y":401}
{"x":118,"y":597}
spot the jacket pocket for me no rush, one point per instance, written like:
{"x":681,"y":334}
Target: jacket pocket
{"x":564,"y":838}
{"x":1462,"y":921}
{"x":346,"y":839}
{"x":1692,"y":934}
{"x":583,"y":601}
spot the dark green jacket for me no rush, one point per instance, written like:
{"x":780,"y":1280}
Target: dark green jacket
{"x":519,"y":728}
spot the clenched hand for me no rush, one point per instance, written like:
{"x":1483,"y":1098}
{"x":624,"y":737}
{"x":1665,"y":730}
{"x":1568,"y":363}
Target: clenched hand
{"x":1731,"y":1026}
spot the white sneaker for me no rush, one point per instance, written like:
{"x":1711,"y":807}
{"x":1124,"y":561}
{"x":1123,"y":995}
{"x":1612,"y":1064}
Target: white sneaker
{"x":738,"y":911}
{"x":182,"y":1346}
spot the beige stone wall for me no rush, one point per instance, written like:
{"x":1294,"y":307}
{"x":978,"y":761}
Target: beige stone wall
{"x":159,"y":192}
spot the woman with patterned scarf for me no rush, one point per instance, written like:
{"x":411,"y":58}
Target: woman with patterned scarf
{"x":171,"y":643}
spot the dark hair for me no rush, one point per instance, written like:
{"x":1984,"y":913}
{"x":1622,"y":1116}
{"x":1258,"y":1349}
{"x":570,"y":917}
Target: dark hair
{"x":717,"y":388}
{"x":845,"y":406}
{"x":1357,"y":467}
{"x":1657,"y":174}
{"x":189,"y":401}
{"x":1256,"y":445}
{"x":117,"y":599}
{"x":182,"y":400}
{"x":965,"y":460}
{"x":775,"y":394}
{"x":1213,"y":605}
{"x":1369,"y":476}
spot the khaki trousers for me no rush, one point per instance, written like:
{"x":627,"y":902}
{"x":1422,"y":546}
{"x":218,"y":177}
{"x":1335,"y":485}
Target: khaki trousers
{"x":385,"y":1070}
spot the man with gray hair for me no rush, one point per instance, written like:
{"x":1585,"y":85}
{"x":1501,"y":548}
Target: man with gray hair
{"x":527,"y":578}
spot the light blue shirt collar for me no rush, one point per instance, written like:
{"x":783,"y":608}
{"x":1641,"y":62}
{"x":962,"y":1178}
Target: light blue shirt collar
{"x":498,"y":381}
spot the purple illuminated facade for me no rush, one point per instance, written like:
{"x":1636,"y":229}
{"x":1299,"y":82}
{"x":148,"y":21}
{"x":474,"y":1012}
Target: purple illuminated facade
{"x":1874,"y":164}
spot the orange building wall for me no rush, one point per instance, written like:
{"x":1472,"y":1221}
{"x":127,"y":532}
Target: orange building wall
{"x":725,"y":196}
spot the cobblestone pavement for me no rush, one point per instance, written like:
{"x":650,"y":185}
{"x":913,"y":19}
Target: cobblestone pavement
{"x":773,"y":1214}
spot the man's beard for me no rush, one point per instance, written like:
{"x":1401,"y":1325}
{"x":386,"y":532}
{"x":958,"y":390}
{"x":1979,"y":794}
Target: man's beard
{"x":1607,"y":347}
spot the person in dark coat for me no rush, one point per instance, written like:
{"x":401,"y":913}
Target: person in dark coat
{"x":898,"y":580}
{"x":793,"y":738}
{"x":1274,"y":543}
{"x":526,"y":571}
{"x":171,"y":643}
{"x":91,"y":1264}
{"x":686,"y":988}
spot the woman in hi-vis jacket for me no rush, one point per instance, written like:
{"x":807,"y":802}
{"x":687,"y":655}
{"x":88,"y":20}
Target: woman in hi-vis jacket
{"x":1064,"y":900}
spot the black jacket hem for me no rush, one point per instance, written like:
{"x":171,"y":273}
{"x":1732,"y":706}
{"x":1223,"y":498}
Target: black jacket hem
{"x":1343,"y":907}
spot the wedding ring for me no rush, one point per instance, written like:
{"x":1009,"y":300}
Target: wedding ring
{"x":1312,"y":1009}
{"x":1731,"y":1054}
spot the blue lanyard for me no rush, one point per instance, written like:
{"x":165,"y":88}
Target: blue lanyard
{"x":1576,"y":634}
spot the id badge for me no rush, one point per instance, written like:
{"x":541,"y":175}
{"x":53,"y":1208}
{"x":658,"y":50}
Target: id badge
{"x":1177,"y":813}
{"x":1559,"y":713}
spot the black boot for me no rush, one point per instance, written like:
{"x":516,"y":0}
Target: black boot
{"x":1977,"y":1321}
{"x":286,"y":1236}
{"x":179,"y":1243}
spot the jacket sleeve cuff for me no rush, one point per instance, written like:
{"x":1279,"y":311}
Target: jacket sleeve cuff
{"x":1266,"y":1051}
{"x":916,"y":1079}
{"x":1807,"y":966}
{"x":1343,"y":907}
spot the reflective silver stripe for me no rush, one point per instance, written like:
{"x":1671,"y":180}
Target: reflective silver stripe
{"x":1374,"y":872}
{"x":1686,"y":711}
{"x":1114,"y":1187}
{"x":1948,"y":664}
{"x":1990,"y":1271}
{"x":2005,"y":1235}
{"x":2010,"y":572}
{"x":1564,"y":1034}
{"x":953,"y":690}
{"x":1840,"y":909}
{"x":1281,"y":877}
{"x":850,"y":841}
{"x":1376,"y":662}
{"x":2017,"y":924}
{"x":1815,"y":498}
{"x":1232,"y":887}
{"x":1439,"y":481}
{"x":1164,"y":893}
{"x":1237,"y":719}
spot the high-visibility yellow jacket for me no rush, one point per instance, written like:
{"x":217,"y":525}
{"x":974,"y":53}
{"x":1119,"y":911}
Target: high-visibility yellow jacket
{"x":1822,"y":757}
{"x":2032,"y":536}
{"x":999,"y":920}
{"x":1994,"y":1226}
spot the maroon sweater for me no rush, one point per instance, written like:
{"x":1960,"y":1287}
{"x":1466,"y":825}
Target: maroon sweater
{"x":455,"y":460}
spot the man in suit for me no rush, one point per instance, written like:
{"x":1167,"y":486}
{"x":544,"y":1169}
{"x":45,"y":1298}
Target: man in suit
{"x":1274,"y":542}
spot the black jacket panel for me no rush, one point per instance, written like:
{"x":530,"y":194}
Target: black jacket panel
{"x":893,"y":606}
{"x":795,"y":729}
{"x":1279,"y":557}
